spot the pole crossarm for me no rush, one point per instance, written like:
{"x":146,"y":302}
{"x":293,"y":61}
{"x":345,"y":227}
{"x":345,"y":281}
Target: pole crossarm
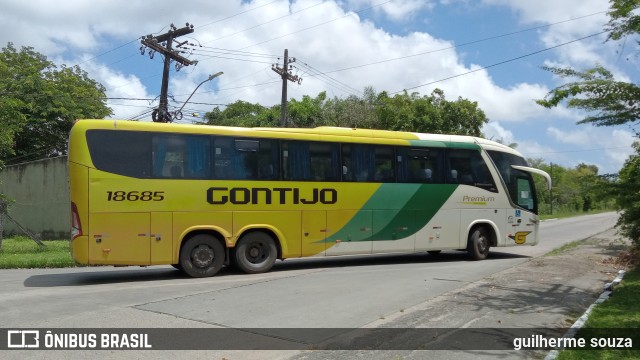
{"x":163,"y":44}
{"x":153,"y":44}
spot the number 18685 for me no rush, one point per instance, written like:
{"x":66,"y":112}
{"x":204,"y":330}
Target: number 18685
{"x":135,"y":195}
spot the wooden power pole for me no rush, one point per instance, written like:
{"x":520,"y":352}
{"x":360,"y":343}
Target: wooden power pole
{"x":285,"y":74}
{"x":163,"y":44}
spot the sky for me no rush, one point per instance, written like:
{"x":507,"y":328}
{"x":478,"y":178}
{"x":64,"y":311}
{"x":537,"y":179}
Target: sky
{"x":488,"y":51}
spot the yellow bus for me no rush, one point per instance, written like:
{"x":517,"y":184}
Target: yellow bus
{"x":202,"y":197}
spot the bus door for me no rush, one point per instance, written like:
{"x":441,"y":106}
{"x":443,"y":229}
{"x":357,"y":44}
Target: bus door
{"x":523,"y":223}
{"x":119,"y":238}
{"x":161,"y":242}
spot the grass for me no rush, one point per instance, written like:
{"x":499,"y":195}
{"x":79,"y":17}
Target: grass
{"x":620,"y":311}
{"x":23,"y":253}
{"x":563,"y":248}
{"x":568,"y":214}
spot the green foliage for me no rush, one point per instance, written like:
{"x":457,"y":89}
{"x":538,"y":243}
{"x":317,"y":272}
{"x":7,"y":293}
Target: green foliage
{"x":402,"y":112}
{"x":628,"y":197}
{"x":39,"y":103}
{"x":242,"y":113}
{"x":624,"y":20}
{"x":620,"y":311}
{"x":612,"y":102}
{"x":575,"y":190}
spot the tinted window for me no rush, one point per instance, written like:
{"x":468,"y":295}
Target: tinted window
{"x":312,"y":161}
{"x":125,"y":153}
{"x":181,"y":156}
{"x":421,"y":165}
{"x":468,"y":167}
{"x":368,"y":163}
{"x":519,"y":183}
{"x":503,"y":162}
{"x":245,"y":159}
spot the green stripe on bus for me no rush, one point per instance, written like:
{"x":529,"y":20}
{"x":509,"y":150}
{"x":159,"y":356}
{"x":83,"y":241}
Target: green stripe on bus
{"x":420,"y":209}
{"x":395,"y":211}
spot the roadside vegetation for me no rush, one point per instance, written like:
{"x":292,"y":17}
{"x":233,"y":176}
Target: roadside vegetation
{"x":23,"y":253}
{"x":609,"y":101}
{"x":620,"y":311}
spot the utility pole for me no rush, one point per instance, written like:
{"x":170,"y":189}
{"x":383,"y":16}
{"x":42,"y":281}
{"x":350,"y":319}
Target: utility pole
{"x":163,"y":44}
{"x":551,"y":189}
{"x":285,"y":74}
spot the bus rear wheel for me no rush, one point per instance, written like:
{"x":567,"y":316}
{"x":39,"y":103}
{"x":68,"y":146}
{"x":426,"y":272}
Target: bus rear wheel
{"x":255,"y":253}
{"x":202,"y":256}
{"x":478,"y":243}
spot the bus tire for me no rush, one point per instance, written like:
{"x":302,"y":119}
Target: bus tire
{"x":255,"y":252}
{"x":202,"y":256}
{"x":478,"y":243}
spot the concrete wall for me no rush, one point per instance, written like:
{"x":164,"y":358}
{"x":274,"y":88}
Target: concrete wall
{"x":41,"y":193}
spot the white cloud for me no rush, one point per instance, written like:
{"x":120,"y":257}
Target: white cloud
{"x":606,"y":147}
{"x":494,"y":131}
{"x":323,"y":37}
{"x":395,"y":10}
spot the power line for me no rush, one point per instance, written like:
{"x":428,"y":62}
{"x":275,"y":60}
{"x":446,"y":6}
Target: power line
{"x":463,"y":44}
{"x":320,"y":24}
{"x":267,"y":22}
{"x":234,"y":15}
{"x":322,"y":76}
{"x":232,"y":52}
{"x":499,"y":63}
{"x":229,"y":58}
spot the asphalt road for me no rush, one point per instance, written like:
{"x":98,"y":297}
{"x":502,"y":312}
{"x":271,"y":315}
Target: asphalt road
{"x":345,"y":292}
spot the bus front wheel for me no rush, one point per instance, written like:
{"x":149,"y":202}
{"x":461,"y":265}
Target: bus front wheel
{"x":255,"y":253}
{"x":202,"y":256}
{"x":478,"y":244}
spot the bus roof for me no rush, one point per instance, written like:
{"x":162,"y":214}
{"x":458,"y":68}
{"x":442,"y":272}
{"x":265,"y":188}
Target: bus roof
{"x":326,"y":133}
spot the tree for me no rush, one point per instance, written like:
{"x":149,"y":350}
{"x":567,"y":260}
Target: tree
{"x":39,"y":103}
{"x":242,"y":113}
{"x":611,"y":102}
{"x":402,"y":112}
{"x":628,"y":198}
{"x":614,"y":102}
{"x":430,"y":114}
{"x":596,"y":90}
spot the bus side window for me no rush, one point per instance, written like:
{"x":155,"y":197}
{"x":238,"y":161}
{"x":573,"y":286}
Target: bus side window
{"x":360,"y":159}
{"x":420,"y":165}
{"x":311,"y":161}
{"x":180,"y":156}
{"x":467,"y":167}
{"x":245,"y":159}
{"x":125,"y":153}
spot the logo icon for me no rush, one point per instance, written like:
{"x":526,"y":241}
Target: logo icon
{"x":520,"y":237}
{"x":23,"y":339}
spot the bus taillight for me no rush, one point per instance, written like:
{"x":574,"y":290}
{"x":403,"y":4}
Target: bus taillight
{"x":76,"y":227}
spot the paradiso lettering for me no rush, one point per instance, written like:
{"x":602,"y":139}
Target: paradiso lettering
{"x":243,"y":196}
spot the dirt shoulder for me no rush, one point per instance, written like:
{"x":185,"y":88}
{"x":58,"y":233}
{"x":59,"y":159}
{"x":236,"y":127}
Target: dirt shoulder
{"x":545,"y":292}
{"x":550,"y":291}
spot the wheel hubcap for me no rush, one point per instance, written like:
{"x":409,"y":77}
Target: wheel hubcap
{"x":202,"y":256}
{"x":482,"y":244}
{"x":255,"y":253}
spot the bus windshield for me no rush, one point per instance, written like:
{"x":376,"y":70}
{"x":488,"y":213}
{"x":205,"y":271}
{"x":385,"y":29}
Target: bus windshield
{"x":519,"y":184}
